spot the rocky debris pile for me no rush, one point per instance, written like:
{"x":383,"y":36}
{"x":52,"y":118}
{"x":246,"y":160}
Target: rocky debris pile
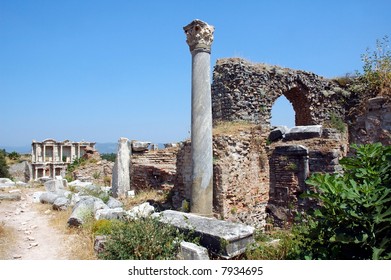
{"x":91,"y":153}
{"x":374,"y":125}
{"x":97,"y":171}
{"x":8,"y":183}
{"x":87,"y":200}
{"x":12,"y":195}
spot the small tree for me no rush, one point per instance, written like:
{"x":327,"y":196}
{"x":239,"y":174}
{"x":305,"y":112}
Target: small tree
{"x":14,"y":156}
{"x":377,"y":68}
{"x":354,"y":217}
{"x":3,"y":165}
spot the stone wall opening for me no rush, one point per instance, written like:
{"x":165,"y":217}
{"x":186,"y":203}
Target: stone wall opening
{"x":282,"y":113}
{"x":298,"y":97}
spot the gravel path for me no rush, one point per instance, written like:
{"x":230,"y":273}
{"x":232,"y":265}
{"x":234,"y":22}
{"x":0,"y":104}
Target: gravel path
{"x":34,"y":238}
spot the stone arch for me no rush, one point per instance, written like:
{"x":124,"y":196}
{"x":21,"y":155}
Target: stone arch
{"x":298,"y":98}
{"x":242,"y":90}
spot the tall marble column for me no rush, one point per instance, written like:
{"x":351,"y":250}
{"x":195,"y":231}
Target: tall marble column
{"x":199,"y":38}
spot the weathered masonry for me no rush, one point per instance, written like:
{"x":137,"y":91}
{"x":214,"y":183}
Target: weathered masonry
{"x":244,"y":91}
{"x":50,"y":158}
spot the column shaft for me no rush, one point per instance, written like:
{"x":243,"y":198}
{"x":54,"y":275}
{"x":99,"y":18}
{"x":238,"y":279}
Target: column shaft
{"x":201,"y":135}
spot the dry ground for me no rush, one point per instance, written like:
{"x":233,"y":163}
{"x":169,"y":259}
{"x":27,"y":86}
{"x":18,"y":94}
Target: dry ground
{"x":31,"y":231}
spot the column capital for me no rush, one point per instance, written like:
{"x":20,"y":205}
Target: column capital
{"x":199,"y":35}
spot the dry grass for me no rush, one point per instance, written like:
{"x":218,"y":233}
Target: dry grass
{"x":232,"y":128}
{"x":7,"y":239}
{"x":79,"y":241}
{"x":143,"y":196}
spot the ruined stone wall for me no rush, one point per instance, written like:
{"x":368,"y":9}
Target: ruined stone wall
{"x":154,"y":169}
{"x":182,"y":189}
{"x":291,"y":162}
{"x":374,"y":124}
{"x":97,"y":171}
{"x":245,"y":91}
{"x":241,"y":177}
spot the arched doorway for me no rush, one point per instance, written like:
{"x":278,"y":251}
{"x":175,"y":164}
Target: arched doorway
{"x":282,"y":113}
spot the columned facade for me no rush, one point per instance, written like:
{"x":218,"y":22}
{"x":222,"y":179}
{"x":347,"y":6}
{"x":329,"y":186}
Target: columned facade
{"x":51,"y":158}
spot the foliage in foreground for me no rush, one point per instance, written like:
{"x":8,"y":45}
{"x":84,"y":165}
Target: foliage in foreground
{"x":109,"y":157}
{"x":3,"y":165}
{"x":377,"y":68}
{"x":354,"y":217}
{"x":270,"y":246}
{"x":142,"y":239}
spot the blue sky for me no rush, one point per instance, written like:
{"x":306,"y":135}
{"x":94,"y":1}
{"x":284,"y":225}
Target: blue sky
{"x":100,"y":70}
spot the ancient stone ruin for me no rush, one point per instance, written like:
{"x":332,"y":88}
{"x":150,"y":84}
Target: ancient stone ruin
{"x":259,"y":171}
{"x":51,"y":158}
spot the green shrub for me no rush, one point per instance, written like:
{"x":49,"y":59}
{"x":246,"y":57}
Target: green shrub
{"x":354,"y":217}
{"x":104,"y":227}
{"x":377,"y":68}
{"x":3,"y":165}
{"x":96,"y":175}
{"x":270,"y":246}
{"x":96,"y":192}
{"x":109,"y":157}
{"x":14,"y":156}
{"x":337,"y":123}
{"x":142,"y":239}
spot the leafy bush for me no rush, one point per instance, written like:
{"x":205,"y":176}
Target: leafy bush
{"x":96,"y":192}
{"x":104,"y":227}
{"x":354,"y":217}
{"x":108,"y":157}
{"x":3,"y":165}
{"x":337,"y":123}
{"x":270,"y":246}
{"x":142,"y":239}
{"x":14,"y":156}
{"x":377,"y":68}
{"x":75,"y":164}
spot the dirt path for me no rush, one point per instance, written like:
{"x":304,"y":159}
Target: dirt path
{"x":33,"y":237}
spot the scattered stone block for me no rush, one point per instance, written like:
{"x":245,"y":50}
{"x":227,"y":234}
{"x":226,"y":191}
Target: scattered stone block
{"x":99,"y":204}
{"x":48,"y":197}
{"x":278,"y":133}
{"x":110,"y":214}
{"x":99,"y":243}
{"x":304,"y":132}
{"x":224,"y":238}
{"x":61,"y":203}
{"x":141,"y":211}
{"x":138,"y":146}
{"x":191,"y":251}
{"x":54,"y":186}
{"x":6,"y":183}
{"x":10,"y":196}
{"x":114,"y":203}
{"x":36,"y":197}
{"x":78,"y":183}
{"x":81,"y":211}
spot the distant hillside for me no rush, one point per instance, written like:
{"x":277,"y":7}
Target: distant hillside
{"x":106,"y":148}
{"x":18,"y":149}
